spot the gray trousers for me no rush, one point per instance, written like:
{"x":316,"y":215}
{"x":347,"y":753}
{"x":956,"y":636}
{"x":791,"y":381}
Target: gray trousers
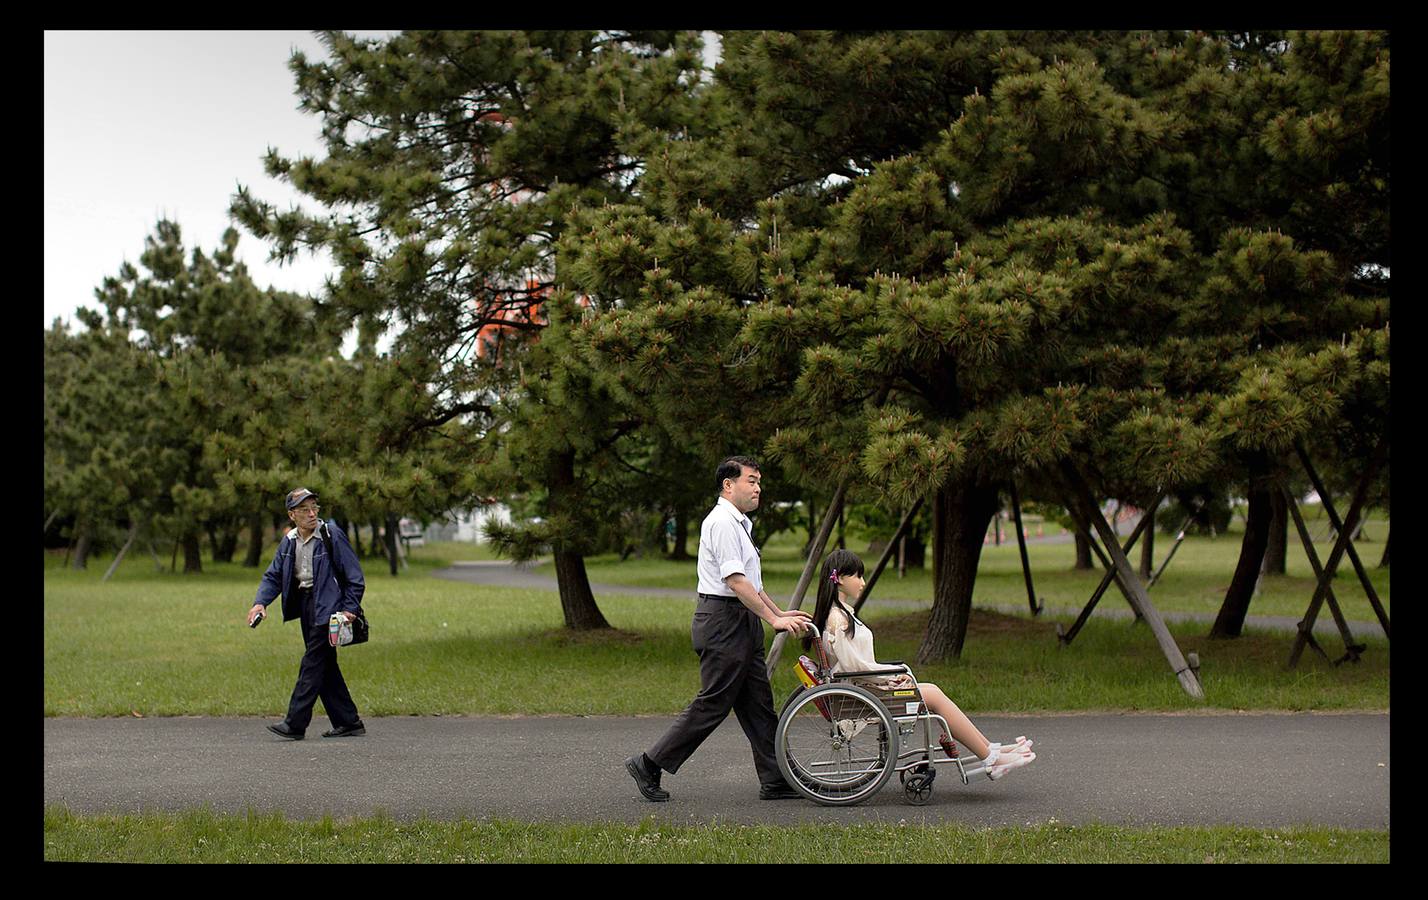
{"x":729,"y":639}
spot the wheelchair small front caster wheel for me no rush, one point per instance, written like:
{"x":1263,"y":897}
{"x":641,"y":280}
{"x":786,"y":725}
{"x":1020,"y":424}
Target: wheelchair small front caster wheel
{"x":918,"y":787}
{"x":920,"y":769}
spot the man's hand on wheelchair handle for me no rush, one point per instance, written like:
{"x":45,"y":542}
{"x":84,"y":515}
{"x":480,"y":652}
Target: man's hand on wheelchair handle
{"x":793,"y":624}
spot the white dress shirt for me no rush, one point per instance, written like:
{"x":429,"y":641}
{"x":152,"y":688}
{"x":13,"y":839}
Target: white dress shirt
{"x":726,"y":546}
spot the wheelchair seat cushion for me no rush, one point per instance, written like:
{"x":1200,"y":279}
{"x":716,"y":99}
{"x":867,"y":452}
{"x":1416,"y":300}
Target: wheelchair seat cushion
{"x":885,"y":683}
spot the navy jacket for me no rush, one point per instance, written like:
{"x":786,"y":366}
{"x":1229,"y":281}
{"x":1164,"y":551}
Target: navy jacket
{"x":327,"y":596}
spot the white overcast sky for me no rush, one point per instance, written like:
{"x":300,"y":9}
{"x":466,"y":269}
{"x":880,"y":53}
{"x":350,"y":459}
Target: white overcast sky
{"x":143,"y":125}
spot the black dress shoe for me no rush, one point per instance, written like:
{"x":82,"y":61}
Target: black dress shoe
{"x":647,"y":781}
{"x":780,"y":791}
{"x":285,"y":731}
{"x":352,"y":730}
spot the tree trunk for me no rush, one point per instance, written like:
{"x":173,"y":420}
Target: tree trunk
{"x":81,"y":547}
{"x":1277,"y":546}
{"x":1231,"y":619}
{"x":1083,"y":552}
{"x":1383,"y":563}
{"x":1147,"y":549}
{"x":192,"y":553}
{"x":391,"y":536}
{"x":577,"y":601}
{"x":961,"y":512}
{"x":227,"y":545}
{"x":255,"y":541}
{"x":681,"y":533}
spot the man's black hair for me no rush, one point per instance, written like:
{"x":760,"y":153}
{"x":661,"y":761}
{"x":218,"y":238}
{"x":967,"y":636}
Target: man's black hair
{"x":733,"y":467}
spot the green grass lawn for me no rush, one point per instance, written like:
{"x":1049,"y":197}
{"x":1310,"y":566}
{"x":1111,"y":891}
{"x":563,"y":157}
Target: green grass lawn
{"x":158,"y":643}
{"x":170,"y":644}
{"x":202,"y":836}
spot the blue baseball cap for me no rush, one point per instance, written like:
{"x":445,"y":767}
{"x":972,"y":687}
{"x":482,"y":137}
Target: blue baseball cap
{"x":298,"y":495}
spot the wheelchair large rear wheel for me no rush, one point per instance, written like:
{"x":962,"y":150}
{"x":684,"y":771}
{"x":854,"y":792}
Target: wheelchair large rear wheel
{"x":836,"y":744}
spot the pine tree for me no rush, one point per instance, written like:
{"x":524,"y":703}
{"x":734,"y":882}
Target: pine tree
{"x":1097,"y":212}
{"x":452,"y":159}
{"x":101,"y":465}
{"x":184,"y":324}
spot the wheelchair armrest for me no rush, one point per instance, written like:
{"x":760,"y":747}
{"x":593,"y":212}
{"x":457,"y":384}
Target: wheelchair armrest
{"x":869,"y":672}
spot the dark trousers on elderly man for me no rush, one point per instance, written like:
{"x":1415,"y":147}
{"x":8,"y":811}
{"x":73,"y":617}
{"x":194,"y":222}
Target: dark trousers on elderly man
{"x":729,"y":639}
{"x":319,"y":676}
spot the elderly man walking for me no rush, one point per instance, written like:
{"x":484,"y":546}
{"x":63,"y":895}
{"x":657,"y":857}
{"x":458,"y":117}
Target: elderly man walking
{"x":729,"y":640}
{"x":314,"y":586}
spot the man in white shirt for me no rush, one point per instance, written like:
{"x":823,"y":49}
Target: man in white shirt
{"x":729,"y":639}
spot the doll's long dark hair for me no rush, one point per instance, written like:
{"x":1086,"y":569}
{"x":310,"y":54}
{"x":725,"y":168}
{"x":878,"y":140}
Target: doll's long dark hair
{"x":843,"y":562}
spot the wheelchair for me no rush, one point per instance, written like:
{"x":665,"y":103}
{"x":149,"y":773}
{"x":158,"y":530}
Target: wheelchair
{"x":839,"y":742}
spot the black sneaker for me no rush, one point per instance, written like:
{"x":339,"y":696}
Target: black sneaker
{"x":647,"y":781}
{"x":285,"y":731}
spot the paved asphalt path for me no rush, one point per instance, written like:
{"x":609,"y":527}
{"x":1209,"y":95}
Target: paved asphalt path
{"x":1135,"y":769}
{"x":506,"y":574}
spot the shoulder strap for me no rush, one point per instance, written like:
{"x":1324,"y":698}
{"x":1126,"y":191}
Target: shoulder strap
{"x":332,"y":557}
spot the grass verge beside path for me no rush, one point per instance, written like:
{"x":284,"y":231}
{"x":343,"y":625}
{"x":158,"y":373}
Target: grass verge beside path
{"x":166,"y":644}
{"x":203,"y":836}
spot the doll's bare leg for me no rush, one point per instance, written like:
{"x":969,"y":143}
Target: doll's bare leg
{"x":961,"y":727}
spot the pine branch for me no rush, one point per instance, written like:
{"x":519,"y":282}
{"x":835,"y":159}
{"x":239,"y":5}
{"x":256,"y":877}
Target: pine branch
{"x":404,"y":437}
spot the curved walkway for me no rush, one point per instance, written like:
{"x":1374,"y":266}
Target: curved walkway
{"x":1270,"y":770}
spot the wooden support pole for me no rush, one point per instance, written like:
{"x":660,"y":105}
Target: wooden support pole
{"x":1337,"y":554}
{"x":158,"y":563}
{"x":1066,"y":637}
{"x":1079,"y":519}
{"x":898,"y":535}
{"x":1352,"y":650}
{"x":815,"y":553}
{"x":1334,"y":521}
{"x":133,"y":530}
{"x":1135,"y":592}
{"x":1179,"y":538}
{"x":1036,"y":608}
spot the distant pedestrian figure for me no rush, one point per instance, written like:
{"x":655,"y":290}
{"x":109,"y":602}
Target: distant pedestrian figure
{"x":729,"y":640}
{"x":314,"y":587}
